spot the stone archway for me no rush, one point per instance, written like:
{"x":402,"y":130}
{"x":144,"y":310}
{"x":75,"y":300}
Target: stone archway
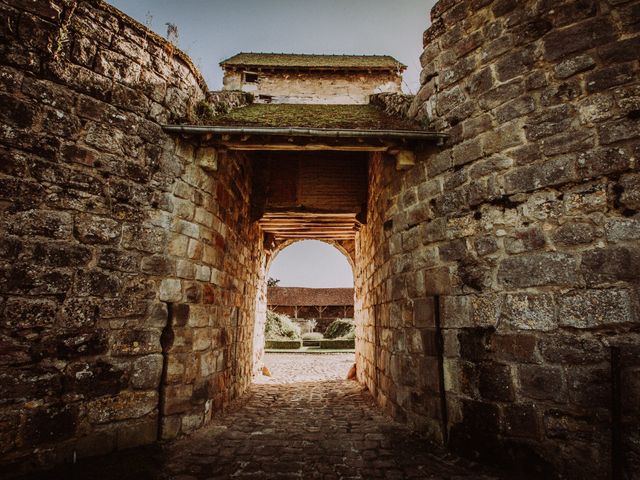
{"x":346,"y":248}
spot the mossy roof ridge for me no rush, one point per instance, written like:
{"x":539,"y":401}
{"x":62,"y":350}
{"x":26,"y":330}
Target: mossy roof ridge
{"x":353,"y":117}
{"x":298,"y":60}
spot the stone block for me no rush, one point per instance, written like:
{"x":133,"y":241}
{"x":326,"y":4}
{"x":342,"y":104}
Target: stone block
{"x":46,"y":223}
{"x":618,"y":130}
{"x":571,"y":234}
{"x":605,"y":78}
{"x":56,"y":254}
{"x":146,"y":372}
{"x":78,"y":313}
{"x":610,"y":264}
{"x":480,"y":419}
{"x":119,"y":260}
{"x":577,"y":38}
{"x":424,"y":312}
{"x":622,"y":229}
{"x":602,"y":161}
{"x":538,"y":382}
{"x":530,"y":270}
{"x":93,"y":229}
{"x":124,"y":406}
{"x":573,"y":65}
{"x":170,"y":427}
{"x":201,"y":339}
{"x":527,"y":311}
{"x":144,"y":238}
{"x":596,"y":308}
{"x":630,"y":196}
{"x":485,"y":245}
{"x":21,"y":313}
{"x":48,"y":424}
{"x":590,"y":386}
{"x":525,"y":240}
{"x":455,"y":311}
{"x":94,"y":379}
{"x":532,"y":177}
{"x":572,"y":349}
{"x":136,"y":434}
{"x":133,"y":342}
{"x":520,"y":421}
{"x":170,"y":290}
{"x":96,"y":283}
{"x":518,"y":347}
{"x":495,"y":382}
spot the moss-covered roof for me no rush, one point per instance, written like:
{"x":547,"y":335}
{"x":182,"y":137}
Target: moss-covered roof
{"x":367,"y":117}
{"x":304,"y":61}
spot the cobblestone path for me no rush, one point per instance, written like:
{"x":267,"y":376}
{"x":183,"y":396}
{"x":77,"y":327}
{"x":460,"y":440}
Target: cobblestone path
{"x":321,"y":429}
{"x":308,"y":422}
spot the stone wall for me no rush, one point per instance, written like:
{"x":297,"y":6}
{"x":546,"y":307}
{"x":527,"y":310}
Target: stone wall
{"x":315,"y":87}
{"x":128,"y":273}
{"x":520,"y":238}
{"x":394,"y":104}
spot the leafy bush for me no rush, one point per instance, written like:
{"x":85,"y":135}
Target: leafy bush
{"x":349,"y":336}
{"x":312,"y":336}
{"x":340,"y":327}
{"x":280,"y":327}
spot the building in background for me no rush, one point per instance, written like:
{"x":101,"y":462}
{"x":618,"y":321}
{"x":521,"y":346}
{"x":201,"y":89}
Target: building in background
{"x":321,"y":304}
{"x":321,"y":79}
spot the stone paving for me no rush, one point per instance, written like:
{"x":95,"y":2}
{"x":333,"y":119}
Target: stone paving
{"x":312,"y":367}
{"x":305,"y":422}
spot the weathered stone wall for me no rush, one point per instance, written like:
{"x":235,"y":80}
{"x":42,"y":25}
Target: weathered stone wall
{"x":128,"y":273}
{"x":315,"y":87}
{"x":521,"y":238}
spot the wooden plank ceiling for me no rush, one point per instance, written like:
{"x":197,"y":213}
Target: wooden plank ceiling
{"x":305,"y":195}
{"x":307,"y":225}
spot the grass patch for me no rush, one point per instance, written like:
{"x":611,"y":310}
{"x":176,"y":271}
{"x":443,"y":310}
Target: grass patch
{"x":338,"y":344}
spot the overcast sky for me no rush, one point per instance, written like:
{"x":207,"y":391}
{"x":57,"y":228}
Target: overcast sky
{"x":213,"y":30}
{"x":311,"y":263}
{"x":210,"y":31}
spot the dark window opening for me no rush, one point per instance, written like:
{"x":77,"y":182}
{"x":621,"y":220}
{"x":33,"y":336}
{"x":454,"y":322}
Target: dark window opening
{"x":250,"y":77}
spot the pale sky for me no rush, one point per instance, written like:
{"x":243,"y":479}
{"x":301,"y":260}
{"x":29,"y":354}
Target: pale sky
{"x":312,"y":263}
{"x":213,"y":30}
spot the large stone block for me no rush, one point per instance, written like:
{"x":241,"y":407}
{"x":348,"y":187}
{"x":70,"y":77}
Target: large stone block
{"x":124,"y":406}
{"x":571,"y":349}
{"x":539,"y":382}
{"x":495,"y":382}
{"x":20,"y":313}
{"x":610,"y":265}
{"x":52,"y":423}
{"x":622,"y":229}
{"x":521,"y":421}
{"x":94,"y":379}
{"x":531,"y":270}
{"x":596,"y":308}
{"x":529,"y":311}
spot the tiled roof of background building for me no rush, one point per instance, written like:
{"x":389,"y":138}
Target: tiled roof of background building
{"x":304,"y":61}
{"x":290,"y":296}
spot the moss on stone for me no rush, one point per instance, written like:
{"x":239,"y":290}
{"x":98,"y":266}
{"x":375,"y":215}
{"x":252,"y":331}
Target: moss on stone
{"x":313,"y":116}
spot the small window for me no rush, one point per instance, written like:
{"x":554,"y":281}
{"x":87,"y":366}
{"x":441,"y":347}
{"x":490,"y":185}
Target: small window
{"x":250,"y":77}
